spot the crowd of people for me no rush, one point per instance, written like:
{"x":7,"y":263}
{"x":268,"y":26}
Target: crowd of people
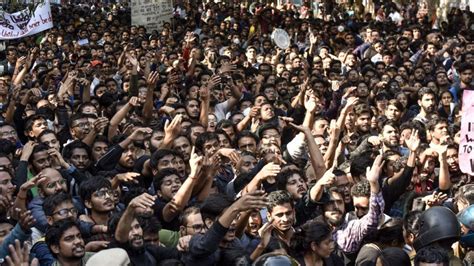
{"x":205,"y":143}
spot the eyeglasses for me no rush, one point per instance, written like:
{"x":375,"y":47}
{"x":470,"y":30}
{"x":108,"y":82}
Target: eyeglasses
{"x":102,"y":193}
{"x":82,"y":125}
{"x":65,"y":212}
{"x":52,"y":185}
{"x":198,"y":227}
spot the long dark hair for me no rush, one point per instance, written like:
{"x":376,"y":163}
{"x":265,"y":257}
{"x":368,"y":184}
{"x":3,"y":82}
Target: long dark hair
{"x":312,"y":231}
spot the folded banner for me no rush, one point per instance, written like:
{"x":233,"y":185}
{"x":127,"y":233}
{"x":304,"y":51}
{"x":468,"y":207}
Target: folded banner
{"x":466,"y":145}
{"x":25,"y":22}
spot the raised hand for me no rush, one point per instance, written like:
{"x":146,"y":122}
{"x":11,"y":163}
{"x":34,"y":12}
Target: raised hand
{"x":227,"y":68}
{"x":57,"y":157}
{"x":195,"y":162}
{"x":269,"y":170}
{"x":26,"y":219}
{"x":152,"y":79}
{"x":328,"y":179}
{"x":20,"y":256}
{"x":35,"y":181}
{"x":144,"y":201}
{"x":374,"y":140}
{"x":265,"y":233}
{"x":284,"y":120}
{"x":96,"y":246}
{"x":300,"y":128}
{"x":232,"y":154}
{"x":214,"y":81}
{"x":435,"y":199}
{"x":204,"y":93}
{"x":141,"y":134}
{"x":100,"y":124}
{"x":134,"y":101}
{"x":351,"y":102}
{"x":27,"y":150}
{"x":252,"y":201}
{"x":373,"y":173}
{"x":174,"y":127}
{"x":132,"y":59}
{"x":183,"y":243}
{"x":349,"y":92}
{"x":313,"y":39}
{"x":254,"y":111}
{"x":439,"y":149}
{"x":128,"y":177}
{"x":310,"y":104}
{"x":413,"y":142}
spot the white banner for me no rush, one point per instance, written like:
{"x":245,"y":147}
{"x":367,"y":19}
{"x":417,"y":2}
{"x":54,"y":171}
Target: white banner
{"x":151,"y":13}
{"x":466,"y":145}
{"x":25,"y":22}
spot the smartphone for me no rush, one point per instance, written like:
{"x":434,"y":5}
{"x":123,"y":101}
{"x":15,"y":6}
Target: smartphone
{"x":153,"y":67}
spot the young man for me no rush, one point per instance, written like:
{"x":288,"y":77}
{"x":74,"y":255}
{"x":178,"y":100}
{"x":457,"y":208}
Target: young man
{"x":60,"y":207}
{"x":65,"y":241}
{"x":78,"y":154}
{"x":369,"y":205}
{"x":191,"y":222}
{"x":174,"y":195}
{"x":204,"y":248}
{"x":49,"y":138}
{"x":427,"y":103}
{"x":129,"y":233}
{"x":281,"y":211}
{"x":98,"y":197}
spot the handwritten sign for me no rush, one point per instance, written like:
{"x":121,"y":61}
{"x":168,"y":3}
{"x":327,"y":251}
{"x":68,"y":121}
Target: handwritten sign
{"x":25,"y":22}
{"x":466,"y":145}
{"x":151,"y":13}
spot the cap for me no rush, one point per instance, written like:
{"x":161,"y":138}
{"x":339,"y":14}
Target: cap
{"x":95,"y":63}
{"x":113,"y":256}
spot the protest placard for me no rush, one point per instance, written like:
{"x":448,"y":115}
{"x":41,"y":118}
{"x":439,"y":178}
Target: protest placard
{"x":466,"y":145}
{"x":25,"y":22}
{"x":151,"y":13}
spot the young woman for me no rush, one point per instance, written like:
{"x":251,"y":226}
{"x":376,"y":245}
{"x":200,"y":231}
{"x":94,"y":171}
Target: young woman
{"x":315,"y":246}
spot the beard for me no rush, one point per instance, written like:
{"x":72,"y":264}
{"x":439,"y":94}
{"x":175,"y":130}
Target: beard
{"x":334,"y":221}
{"x":391,"y":145}
{"x":134,"y":247}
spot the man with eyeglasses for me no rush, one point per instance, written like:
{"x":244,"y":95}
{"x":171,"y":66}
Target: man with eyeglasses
{"x":59,"y":207}
{"x":99,"y":199}
{"x":191,"y":222}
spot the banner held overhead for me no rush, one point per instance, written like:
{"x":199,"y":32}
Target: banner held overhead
{"x":25,"y":22}
{"x":151,"y":13}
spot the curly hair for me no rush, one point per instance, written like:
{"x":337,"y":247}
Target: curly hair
{"x":361,"y":189}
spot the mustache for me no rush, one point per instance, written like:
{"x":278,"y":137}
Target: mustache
{"x":136,"y":237}
{"x":79,"y":247}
